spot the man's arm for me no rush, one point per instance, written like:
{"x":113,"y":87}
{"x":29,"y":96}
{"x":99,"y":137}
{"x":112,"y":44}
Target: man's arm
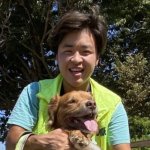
{"x":13,"y":136}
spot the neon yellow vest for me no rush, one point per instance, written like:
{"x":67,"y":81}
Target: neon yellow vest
{"x":106,"y":102}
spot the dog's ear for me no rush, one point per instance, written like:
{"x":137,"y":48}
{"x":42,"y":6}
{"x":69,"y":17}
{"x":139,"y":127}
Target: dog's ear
{"x":90,"y":93}
{"x":52,"y":109}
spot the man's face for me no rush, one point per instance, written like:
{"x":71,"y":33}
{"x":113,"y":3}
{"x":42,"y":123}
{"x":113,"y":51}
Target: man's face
{"x":77,"y":58}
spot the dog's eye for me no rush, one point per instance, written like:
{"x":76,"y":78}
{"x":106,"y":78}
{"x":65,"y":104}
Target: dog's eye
{"x":72,"y":101}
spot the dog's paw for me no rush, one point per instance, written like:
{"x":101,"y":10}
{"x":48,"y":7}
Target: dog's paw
{"x":78,"y":140}
{"x":92,"y":146}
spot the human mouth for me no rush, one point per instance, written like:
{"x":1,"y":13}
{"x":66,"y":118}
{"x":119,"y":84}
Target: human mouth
{"x":76,"y":71}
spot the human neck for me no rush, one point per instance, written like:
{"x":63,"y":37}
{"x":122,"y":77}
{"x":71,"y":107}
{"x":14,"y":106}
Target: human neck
{"x":68,"y":88}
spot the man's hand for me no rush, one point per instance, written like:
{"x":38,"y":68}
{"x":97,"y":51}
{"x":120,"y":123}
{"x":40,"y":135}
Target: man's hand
{"x":54,"y":140}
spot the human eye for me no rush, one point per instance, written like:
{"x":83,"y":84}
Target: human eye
{"x":86,"y":52}
{"x":67,"y":51}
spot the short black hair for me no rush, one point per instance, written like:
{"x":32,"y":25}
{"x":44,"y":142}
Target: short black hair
{"x":75,"y":20}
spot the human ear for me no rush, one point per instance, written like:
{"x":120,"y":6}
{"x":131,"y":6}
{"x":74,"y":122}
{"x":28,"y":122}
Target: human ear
{"x":97,"y":61}
{"x":56,"y":60}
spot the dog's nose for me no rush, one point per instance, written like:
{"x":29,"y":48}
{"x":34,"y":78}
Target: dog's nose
{"x":91,"y":104}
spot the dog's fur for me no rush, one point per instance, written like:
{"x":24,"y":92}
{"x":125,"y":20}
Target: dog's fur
{"x":69,"y":112}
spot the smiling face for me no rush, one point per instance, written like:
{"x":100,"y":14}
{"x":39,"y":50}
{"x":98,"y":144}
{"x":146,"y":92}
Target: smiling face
{"x":74,"y":110}
{"x":77,"y":58}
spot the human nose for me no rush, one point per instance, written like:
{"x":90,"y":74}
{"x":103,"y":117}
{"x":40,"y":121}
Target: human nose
{"x":76,"y":57}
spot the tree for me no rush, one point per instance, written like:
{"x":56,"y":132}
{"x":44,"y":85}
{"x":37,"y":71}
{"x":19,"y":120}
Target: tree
{"x":125,"y":66}
{"x":25,"y":26}
{"x":134,"y":81}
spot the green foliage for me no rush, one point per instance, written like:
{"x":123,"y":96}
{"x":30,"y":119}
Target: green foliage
{"x":139,"y":127}
{"x":132,"y":17}
{"x":134,"y":86}
{"x":133,"y":83}
{"x":24,"y":30}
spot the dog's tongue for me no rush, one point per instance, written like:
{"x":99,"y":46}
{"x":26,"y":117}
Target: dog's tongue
{"x":91,"y":125}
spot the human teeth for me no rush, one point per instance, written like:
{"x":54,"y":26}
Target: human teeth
{"x":76,"y":69}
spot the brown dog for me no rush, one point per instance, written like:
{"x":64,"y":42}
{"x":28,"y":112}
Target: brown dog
{"x":75,"y":112}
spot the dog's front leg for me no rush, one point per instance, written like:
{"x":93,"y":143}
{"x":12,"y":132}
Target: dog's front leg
{"x":92,"y":146}
{"x":80,"y":141}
